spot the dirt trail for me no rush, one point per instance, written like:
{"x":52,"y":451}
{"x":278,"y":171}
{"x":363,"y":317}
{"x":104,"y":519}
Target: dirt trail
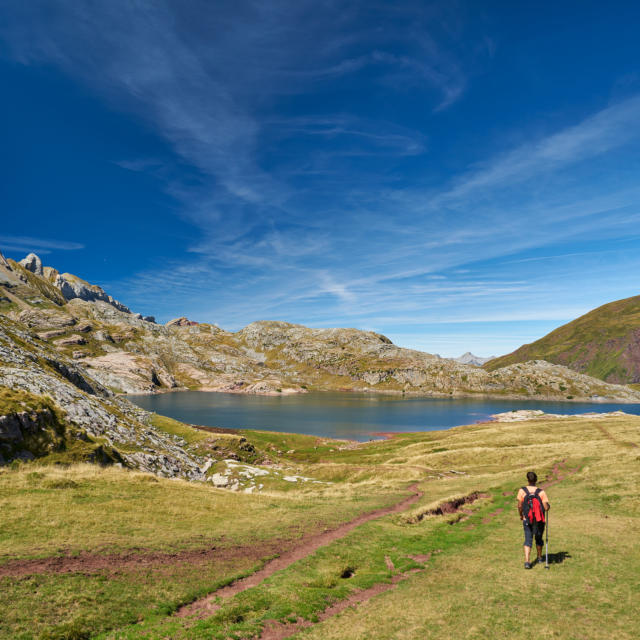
{"x":275,"y":630}
{"x":207,"y":606}
{"x":608,"y":435}
{"x":279,"y":631}
{"x":89,"y":563}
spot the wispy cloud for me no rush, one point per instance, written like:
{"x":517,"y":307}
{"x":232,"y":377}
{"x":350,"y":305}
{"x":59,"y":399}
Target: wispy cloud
{"x":597,"y":134}
{"x":311,"y":206}
{"x":41,"y":245}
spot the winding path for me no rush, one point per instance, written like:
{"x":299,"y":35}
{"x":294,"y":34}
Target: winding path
{"x":207,"y":606}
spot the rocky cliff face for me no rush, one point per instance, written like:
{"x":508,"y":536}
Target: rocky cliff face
{"x":49,"y":404}
{"x":69,"y":285}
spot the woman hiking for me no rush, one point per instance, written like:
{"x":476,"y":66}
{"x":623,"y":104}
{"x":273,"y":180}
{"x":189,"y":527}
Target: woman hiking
{"x":532,"y":507}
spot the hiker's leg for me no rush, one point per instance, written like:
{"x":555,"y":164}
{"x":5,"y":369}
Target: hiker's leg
{"x":539,"y":539}
{"x":528,"y":540}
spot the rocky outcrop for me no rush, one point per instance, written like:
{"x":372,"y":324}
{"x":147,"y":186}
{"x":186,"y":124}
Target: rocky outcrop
{"x":25,"y":435}
{"x":92,"y":413}
{"x":181,"y":322}
{"x":69,"y":285}
{"x":129,"y":373}
{"x":72,"y":287}
{"x":32,"y":263}
{"x":70,"y":341}
{"x":524,"y":415}
{"x":46,"y":319}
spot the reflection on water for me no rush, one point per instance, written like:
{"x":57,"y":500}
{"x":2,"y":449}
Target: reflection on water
{"x":343,"y":415}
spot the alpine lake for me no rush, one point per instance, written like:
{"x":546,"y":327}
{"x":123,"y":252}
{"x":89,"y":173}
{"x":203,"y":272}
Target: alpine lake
{"x":345,"y":415}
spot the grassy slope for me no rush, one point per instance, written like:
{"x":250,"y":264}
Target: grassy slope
{"x":591,"y":344}
{"x":476,"y":586}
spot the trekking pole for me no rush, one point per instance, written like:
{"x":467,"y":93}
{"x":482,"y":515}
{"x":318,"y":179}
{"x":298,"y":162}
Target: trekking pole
{"x":546,"y":566}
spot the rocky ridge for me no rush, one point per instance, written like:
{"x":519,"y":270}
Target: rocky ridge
{"x":126,"y":353}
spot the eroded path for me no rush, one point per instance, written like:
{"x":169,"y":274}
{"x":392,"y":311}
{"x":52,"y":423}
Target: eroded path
{"x":90,"y":563}
{"x":207,"y":606}
{"x":275,"y":630}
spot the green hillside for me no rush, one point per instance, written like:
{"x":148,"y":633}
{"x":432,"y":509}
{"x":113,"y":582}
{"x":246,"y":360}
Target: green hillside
{"x":604,"y":343}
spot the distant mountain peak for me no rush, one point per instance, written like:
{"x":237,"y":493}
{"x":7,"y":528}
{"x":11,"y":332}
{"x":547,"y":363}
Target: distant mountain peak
{"x":469,"y":358}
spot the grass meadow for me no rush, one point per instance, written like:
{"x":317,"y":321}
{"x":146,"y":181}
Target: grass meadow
{"x":91,"y":552}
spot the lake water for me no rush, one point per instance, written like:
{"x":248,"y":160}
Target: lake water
{"x":356,"y":416}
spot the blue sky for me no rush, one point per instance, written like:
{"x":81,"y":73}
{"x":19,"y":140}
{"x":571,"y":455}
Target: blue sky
{"x":456,"y":175}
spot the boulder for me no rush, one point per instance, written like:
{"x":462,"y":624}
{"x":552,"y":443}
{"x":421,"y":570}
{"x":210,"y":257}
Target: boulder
{"x":32,"y":263}
{"x":219,"y":480}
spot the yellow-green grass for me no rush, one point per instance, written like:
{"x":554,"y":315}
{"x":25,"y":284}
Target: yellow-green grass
{"x":176,"y":428}
{"x":475,"y":586}
{"x":49,"y":511}
{"x":590,"y":592}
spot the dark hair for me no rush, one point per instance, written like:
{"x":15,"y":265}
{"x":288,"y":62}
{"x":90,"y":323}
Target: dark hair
{"x":532,"y":478}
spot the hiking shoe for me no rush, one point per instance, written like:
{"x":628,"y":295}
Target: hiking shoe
{"x":527,"y":565}
{"x":540,"y":560}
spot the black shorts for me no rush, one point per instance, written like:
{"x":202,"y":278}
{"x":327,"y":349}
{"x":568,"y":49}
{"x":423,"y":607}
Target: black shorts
{"x":530,"y":530}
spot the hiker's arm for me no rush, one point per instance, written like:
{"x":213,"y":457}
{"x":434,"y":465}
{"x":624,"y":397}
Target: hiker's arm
{"x":545,"y":501}
{"x":520,"y":509}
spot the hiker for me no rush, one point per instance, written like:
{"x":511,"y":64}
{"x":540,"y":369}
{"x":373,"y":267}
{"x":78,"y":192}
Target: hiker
{"x":532,"y":506}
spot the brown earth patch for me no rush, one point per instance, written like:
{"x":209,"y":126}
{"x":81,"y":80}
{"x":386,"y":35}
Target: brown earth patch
{"x":558,"y":473}
{"x":91,"y":563}
{"x":207,"y":606}
{"x":389,"y":562}
{"x":491,"y":515}
{"x":453,"y":506}
{"x":421,"y":557}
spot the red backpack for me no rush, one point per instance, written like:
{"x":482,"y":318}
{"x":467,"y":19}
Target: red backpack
{"x":532,"y":507}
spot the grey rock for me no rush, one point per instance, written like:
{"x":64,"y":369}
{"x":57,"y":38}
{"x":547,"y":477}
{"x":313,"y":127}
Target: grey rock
{"x":70,"y":340}
{"x":218,"y":480}
{"x":32,"y":263}
{"x":10,"y":430}
{"x":72,"y":288}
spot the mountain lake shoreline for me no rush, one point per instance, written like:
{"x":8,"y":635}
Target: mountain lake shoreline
{"x":348,"y":415}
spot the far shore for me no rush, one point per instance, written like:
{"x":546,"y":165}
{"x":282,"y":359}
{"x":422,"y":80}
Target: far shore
{"x":289,"y":391}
